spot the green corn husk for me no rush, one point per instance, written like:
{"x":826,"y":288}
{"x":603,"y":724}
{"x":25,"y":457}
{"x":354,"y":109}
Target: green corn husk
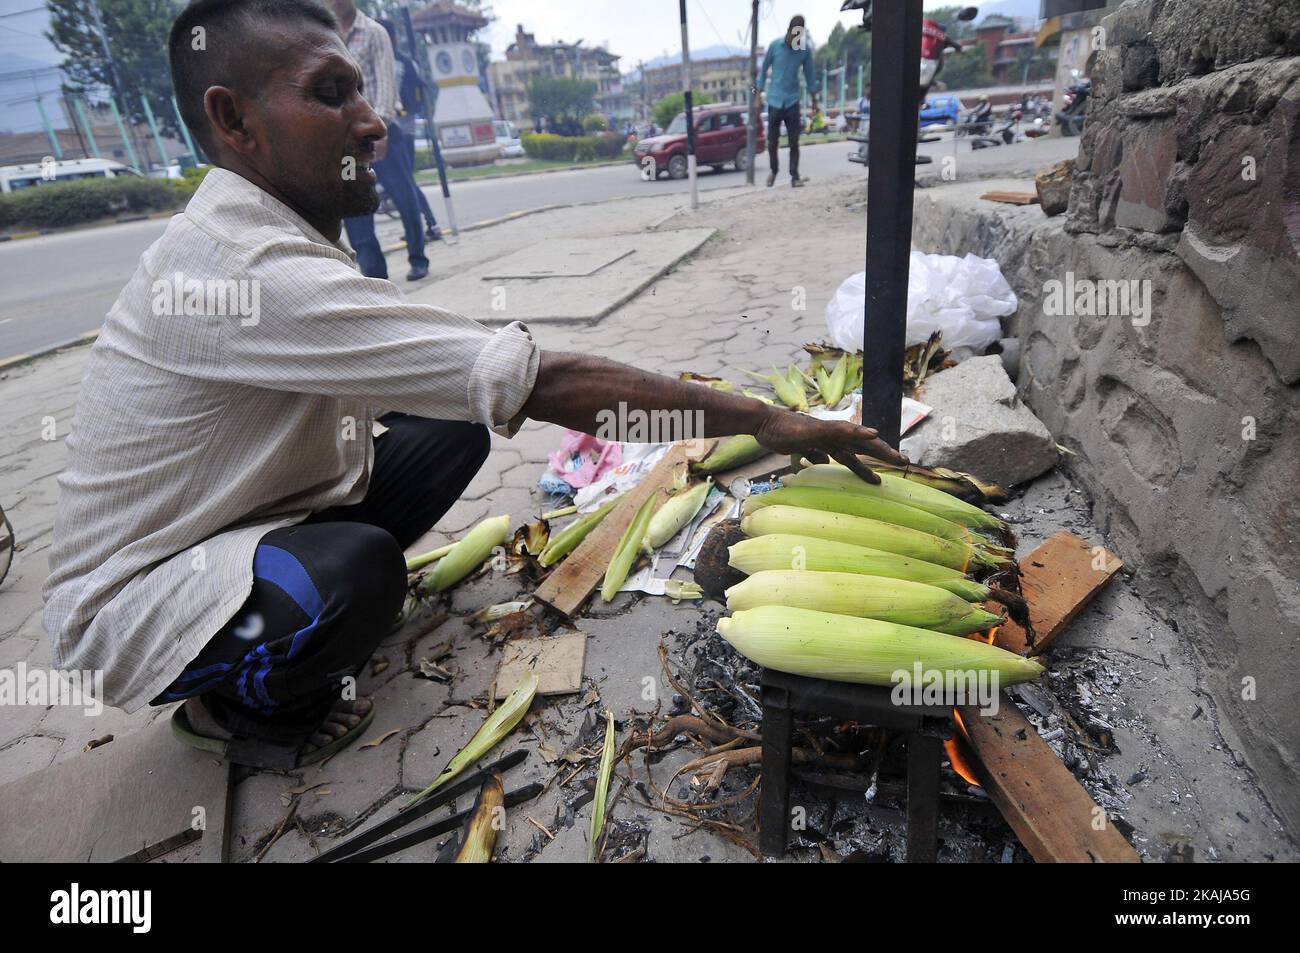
{"x":866,"y":651}
{"x":481,"y":832}
{"x":893,"y":486}
{"x":602,"y":788}
{"x":731,"y":453}
{"x":679,"y":589}
{"x":862,"y":504}
{"x":782,"y":551}
{"x":467,"y":554}
{"x":832,"y":386}
{"x":889,"y":600}
{"x":861,"y":531}
{"x":498,"y":724}
{"x":628,"y":548}
{"x":788,"y":387}
{"x":567,"y":539}
{"x":419,"y":562}
{"x":678,"y":510}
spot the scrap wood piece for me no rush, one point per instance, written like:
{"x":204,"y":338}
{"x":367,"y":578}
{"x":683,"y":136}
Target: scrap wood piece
{"x":1012,"y":198}
{"x":556,"y":660}
{"x":569,"y":585}
{"x":1045,"y":805}
{"x":1057,"y":579}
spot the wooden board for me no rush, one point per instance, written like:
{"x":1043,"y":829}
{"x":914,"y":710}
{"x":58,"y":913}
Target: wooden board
{"x":1012,"y":198}
{"x":132,"y":799}
{"x":569,"y":585}
{"x":1057,"y":579}
{"x":1048,"y":809}
{"x":556,"y":660}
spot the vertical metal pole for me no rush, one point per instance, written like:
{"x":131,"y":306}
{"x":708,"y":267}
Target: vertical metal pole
{"x":895,"y":68}
{"x":751,"y":135}
{"x":49,"y":129}
{"x":422,"y":64}
{"x":157,"y":138}
{"x":121,"y":131}
{"x":844,"y":80}
{"x":861,"y":70}
{"x":90,"y":133}
{"x":690,"y":111}
{"x":185,"y":131}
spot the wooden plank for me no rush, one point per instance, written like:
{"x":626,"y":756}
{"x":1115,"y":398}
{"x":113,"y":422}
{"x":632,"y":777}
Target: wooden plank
{"x":556,"y":660}
{"x":1058,"y":579}
{"x":132,"y":799}
{"x":569,"y":585}
{"x":1012,"y":198}
{"x":1048,"y":809}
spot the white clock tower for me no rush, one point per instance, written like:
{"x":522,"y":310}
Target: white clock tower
{"x":462,"y":116}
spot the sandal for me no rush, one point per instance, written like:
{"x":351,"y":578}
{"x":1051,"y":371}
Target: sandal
{"x":255,"y":752}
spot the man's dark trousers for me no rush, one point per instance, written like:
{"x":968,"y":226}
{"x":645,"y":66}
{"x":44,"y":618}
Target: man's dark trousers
{"x":396,"y":178}
{"x":793,"y":126}
{"x":327,"y":591}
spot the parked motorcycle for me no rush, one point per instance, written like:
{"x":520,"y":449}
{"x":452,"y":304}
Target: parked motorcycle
{"x":977,"y":121}
{"x":1007,"y":134}
{"x":1072,"y":117}
{"x":935,"y":44}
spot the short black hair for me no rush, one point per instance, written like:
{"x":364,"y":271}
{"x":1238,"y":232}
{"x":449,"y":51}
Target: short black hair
{"x":796,"y":20}
{"x":208,"y":47}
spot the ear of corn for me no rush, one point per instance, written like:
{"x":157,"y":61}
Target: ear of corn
{"x":861,"y":531}
{"x":861,"y":504}
{"x":468,"y":554}
{"x":625,"y":555}
{"x":678,"y":510}
{"x":782,"y":551}
{"x":602,"y":788}
{"x":889,"y":600}
{"x":567,"y":540}
{"x":788,"y":386}
{"x":832,"y":386}
{"x":419,"y":562}
{"x":481,"y":833}
{"x":731,"y":453}
{"x":866,"y":651}
{"x":895,"y":488}
{"x":498,"y":724}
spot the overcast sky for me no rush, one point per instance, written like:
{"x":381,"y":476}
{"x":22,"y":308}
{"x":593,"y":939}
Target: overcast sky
{"x":645,"y":29}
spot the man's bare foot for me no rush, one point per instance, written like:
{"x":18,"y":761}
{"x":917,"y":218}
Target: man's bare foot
{"x":343,"y":717}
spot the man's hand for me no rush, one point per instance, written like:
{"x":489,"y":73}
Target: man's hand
{"x":786,"y":432}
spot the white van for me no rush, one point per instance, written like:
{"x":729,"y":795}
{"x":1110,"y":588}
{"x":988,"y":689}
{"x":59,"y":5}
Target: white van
{"x":15,"y":177}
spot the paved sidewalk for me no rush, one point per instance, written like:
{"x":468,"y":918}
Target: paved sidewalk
{"x":750,"y":296}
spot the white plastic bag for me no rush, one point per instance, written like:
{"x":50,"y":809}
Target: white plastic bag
{"x":961,"y":297}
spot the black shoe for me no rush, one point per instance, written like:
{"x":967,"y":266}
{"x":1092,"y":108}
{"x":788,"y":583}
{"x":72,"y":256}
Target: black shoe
{"x":417,"y":272}
{"x":771,"y":177}
{"x":798,"y":183}
{"x":433,"y":233}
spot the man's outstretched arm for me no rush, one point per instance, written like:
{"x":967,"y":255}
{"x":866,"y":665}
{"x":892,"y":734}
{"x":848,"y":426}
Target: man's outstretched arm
{"x":577,"y":390}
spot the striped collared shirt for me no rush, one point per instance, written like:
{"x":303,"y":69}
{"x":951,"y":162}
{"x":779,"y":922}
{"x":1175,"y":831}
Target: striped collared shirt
{"x":369,"y":45}
{"x":232,"y":391}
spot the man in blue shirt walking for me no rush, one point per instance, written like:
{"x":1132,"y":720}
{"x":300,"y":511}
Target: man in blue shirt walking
{"x":785,"y":58}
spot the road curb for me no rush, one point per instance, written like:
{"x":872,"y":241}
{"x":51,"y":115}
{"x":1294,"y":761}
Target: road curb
{"x":18,"y":360}
{"x":520,"y":175}
{"x":16,"y":236}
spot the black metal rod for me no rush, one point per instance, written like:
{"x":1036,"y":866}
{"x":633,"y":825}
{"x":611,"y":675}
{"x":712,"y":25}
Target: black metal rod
{"x":895,"y":88}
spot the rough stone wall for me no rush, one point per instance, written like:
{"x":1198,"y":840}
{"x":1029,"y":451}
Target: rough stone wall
{"x":1187,"y":427}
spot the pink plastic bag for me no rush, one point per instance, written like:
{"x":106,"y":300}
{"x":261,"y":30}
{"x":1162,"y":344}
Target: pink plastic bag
{"x":582,"y":459}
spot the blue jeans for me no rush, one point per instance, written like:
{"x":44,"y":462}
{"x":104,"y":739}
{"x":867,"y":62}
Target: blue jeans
{"x":396,"y":178}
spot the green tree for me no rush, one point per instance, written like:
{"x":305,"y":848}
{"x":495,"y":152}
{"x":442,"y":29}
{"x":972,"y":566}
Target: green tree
{"x":967,"y":70}
{"x":844,"y":46}
{"x":136,"y":31}
{"x":560,"y":98}
{"x":667,"y":108}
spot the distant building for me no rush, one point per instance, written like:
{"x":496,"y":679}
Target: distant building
{"x":725,"y":79}
{"x":1006,"y":49}
{"x":526,"y":60}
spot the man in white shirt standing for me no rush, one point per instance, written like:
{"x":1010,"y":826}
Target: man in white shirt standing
{"x":230,"y":534}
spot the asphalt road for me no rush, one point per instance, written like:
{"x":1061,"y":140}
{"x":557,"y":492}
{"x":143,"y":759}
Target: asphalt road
{"x":56,"y":287}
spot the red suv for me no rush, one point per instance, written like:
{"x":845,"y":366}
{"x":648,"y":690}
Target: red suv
{"x":720,"y":138}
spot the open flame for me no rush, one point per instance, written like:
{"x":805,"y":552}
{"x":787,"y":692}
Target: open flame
{"x":954,"y":746}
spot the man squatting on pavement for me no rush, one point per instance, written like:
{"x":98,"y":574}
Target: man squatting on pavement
{"x":230,"y":533}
